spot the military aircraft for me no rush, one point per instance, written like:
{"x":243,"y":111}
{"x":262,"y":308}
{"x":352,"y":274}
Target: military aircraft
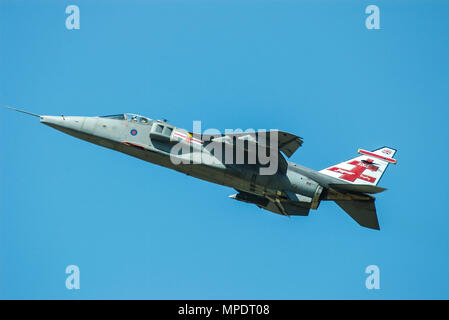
{"x":292,"y":190}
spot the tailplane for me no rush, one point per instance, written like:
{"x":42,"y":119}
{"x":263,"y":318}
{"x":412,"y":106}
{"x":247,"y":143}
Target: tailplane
{"x":362,"y":211}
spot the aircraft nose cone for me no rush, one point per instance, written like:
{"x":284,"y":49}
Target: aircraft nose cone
{"x":63,"y":122}
{"x":50,"y":119}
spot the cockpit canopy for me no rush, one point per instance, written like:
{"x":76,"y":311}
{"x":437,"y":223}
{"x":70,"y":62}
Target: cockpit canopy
{"x":129,"y":117}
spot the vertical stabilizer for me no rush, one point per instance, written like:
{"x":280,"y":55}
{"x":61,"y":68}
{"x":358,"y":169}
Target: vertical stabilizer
{"x":366,"y":169}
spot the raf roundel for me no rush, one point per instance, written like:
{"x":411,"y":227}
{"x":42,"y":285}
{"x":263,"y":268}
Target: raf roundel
{"x":133,"y":132}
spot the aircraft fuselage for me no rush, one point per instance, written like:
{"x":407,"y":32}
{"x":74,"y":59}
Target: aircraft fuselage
{"x":135,"y":138}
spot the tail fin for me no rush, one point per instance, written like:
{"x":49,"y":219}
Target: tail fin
{"x":366,"y":169}
{"x":361,"y":175}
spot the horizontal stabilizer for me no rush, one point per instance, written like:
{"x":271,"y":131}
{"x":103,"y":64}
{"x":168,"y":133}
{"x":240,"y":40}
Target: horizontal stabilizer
{"x":362,"y":211}
{"x":357,"y":188}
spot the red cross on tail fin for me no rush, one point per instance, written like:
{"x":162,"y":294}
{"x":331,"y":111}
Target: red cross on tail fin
{"x":366,"y":169}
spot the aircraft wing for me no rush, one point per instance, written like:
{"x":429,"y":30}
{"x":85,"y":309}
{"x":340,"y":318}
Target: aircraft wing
{"x":287,"y":143}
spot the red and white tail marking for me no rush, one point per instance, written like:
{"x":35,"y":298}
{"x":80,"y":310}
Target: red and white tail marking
{"x":387,"y":152}
{"x":365,"y":169}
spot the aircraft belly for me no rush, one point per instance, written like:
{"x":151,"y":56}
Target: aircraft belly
{"x":247,"y":181}
{"x":204,"y":172}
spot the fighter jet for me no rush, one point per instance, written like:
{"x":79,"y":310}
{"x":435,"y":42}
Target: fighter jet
{"x":291,"y":190}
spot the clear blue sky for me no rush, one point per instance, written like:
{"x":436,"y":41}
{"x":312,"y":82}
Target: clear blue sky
{"x":140,"y":231}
